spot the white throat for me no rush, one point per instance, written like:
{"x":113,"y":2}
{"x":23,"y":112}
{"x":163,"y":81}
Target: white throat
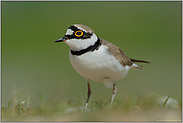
{"x":79,"y":44}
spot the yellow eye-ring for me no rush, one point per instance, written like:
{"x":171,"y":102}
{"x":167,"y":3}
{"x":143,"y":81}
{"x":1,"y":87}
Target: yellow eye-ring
{"x":78,"y":33}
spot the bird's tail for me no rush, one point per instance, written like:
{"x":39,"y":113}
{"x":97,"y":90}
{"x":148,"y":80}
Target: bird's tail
{"x":141,"y":61}
{"x":134,"y":66}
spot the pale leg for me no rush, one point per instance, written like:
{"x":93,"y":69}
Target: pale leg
{"x":114,"y":91}
{"x":89,"y":92}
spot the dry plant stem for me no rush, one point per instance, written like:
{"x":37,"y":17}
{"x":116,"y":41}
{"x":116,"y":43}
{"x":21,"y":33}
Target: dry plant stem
{"x":89,"y":92}
{"x":114,"y":91}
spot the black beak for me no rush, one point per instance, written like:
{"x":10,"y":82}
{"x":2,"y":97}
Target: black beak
{"x":61,"y":39}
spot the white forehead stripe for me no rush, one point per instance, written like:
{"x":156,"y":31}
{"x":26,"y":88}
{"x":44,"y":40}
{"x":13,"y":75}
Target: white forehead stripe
{"x":69,"y":32}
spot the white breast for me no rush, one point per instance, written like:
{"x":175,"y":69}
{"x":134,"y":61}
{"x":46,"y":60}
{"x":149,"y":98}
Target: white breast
{"x":99,"y":66}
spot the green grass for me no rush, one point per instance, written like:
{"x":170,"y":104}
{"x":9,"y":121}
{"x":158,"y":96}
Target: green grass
{"x":131,"y":108}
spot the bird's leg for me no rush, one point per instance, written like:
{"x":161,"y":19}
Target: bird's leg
{"x":89,"y":92}
{"x":113,"y":92}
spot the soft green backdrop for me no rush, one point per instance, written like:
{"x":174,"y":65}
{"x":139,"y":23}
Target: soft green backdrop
{"x":32,"y":63}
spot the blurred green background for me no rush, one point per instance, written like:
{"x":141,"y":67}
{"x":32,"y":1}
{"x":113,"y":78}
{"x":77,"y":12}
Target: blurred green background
{"x":32,"y":63}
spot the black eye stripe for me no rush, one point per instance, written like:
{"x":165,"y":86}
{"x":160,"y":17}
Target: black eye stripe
{"x":84,"y":36}
{"x":70,"y":36}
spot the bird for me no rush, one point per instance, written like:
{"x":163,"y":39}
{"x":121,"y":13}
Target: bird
{"x":97,"y":59}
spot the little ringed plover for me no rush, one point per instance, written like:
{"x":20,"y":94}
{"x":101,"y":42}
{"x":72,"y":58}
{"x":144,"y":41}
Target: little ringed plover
{"x":97,"y":59}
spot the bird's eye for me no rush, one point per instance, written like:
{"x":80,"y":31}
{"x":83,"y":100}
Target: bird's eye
{"x":78,"y":33}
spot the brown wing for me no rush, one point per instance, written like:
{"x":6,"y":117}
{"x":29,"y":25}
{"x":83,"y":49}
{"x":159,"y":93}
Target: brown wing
{"x":117,"y":53}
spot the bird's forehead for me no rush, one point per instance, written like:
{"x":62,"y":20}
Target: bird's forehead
{"x":69,"y":32}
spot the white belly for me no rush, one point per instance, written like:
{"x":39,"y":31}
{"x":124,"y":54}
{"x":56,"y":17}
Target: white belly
{"x":99,"y":66}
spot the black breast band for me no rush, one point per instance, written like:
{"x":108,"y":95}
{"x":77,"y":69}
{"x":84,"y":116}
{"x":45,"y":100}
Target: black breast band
{"x":90,"y":48}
